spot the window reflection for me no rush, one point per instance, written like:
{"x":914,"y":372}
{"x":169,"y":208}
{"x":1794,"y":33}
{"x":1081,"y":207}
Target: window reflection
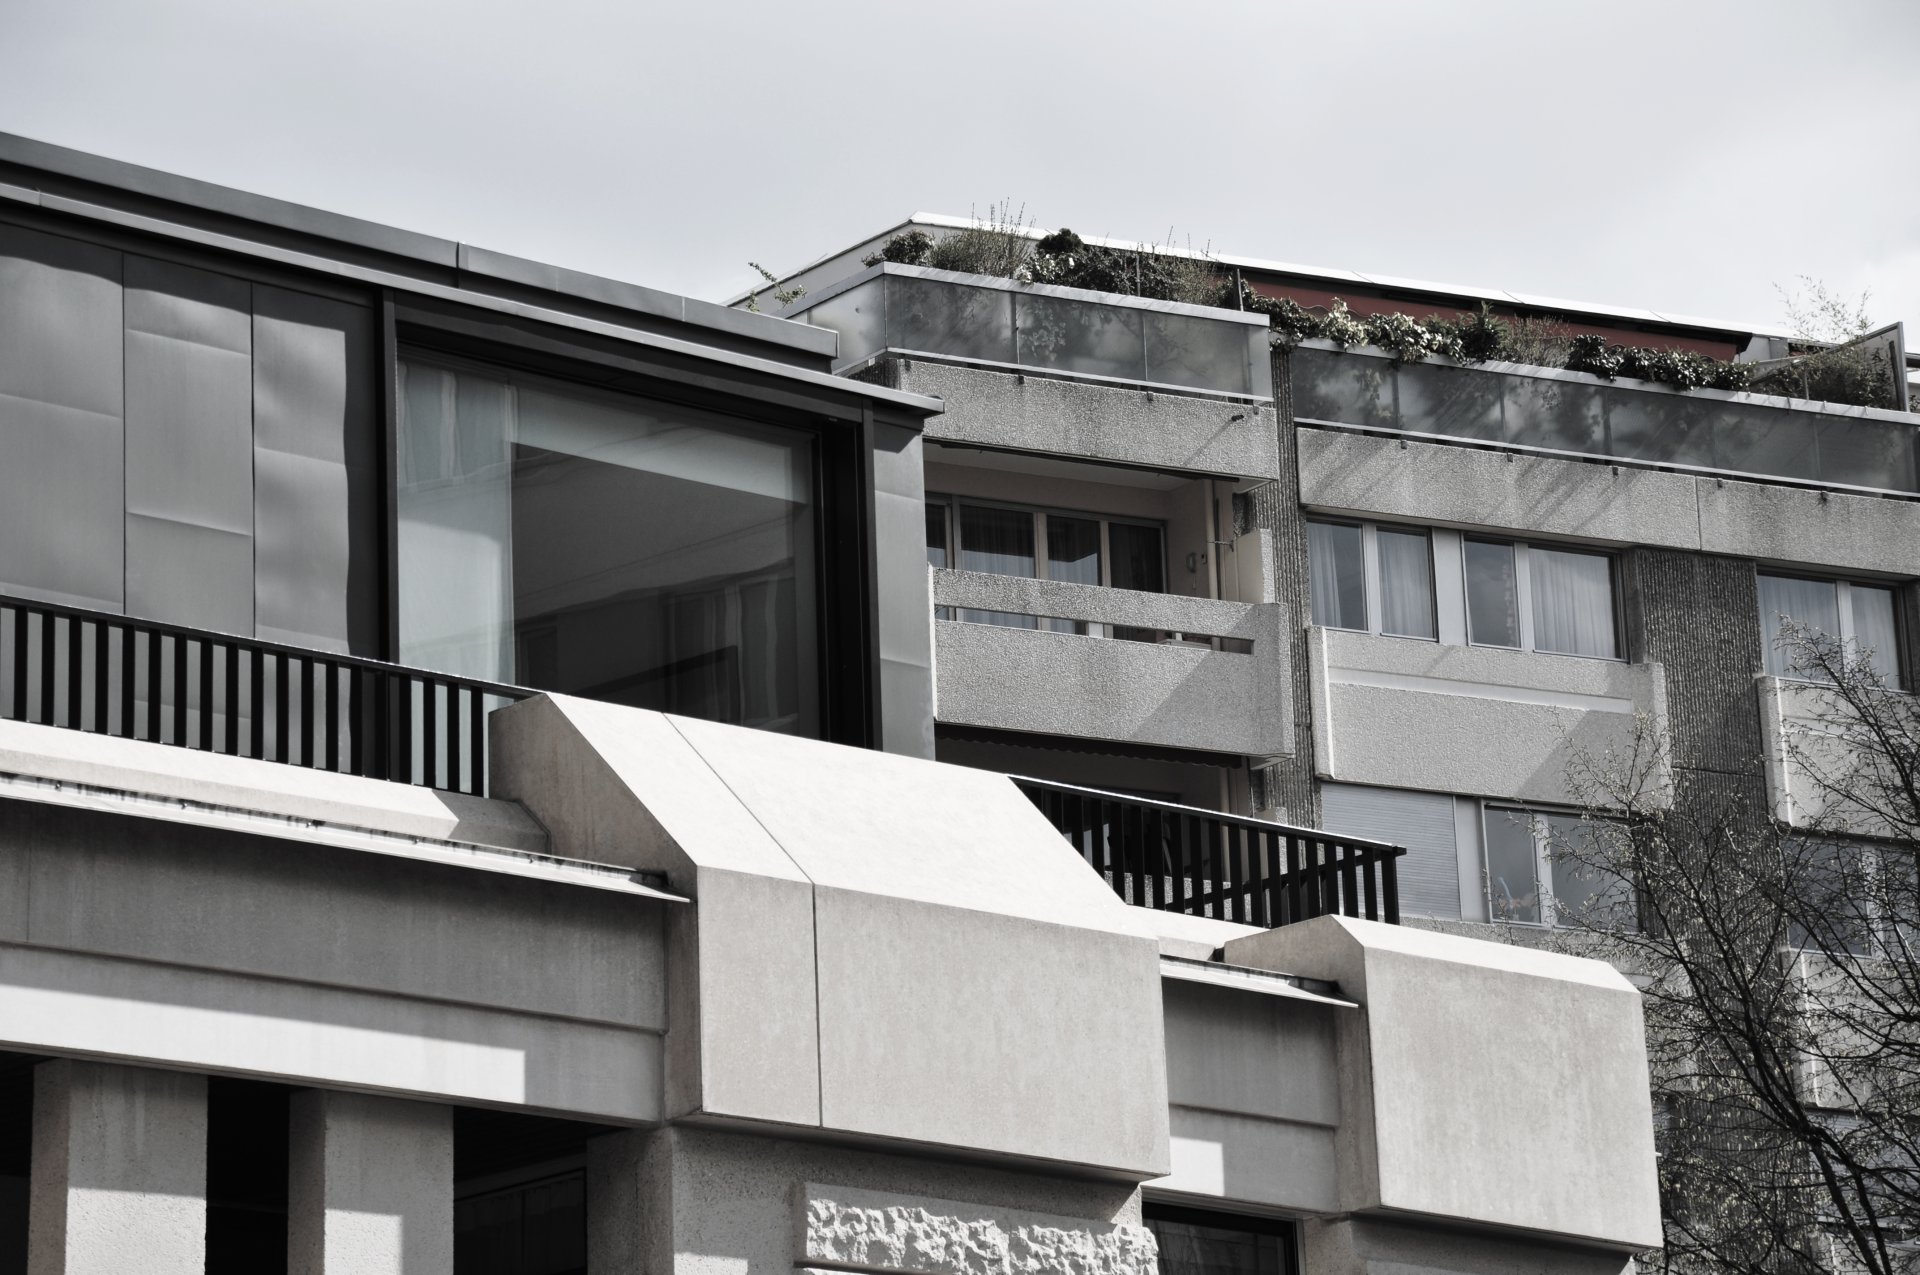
{"x":1192,"y":1242}
{"x":608,"y":546}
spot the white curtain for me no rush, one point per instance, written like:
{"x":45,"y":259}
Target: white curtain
{"x":1873,"y":630}
{"x":1572,"y":603}
{"x":1337,"y":567}
{"x":1811,"y":604}
{"x":1406,"y":584}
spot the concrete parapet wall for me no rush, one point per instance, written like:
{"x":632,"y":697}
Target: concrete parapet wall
{"x":1369,"y":475}
{"x":1470,"y":720}
{"x":1095,"y":422}
{"x":870,"y":936}
{"x":1169,"y":694}
{"x":1482,"y":1082}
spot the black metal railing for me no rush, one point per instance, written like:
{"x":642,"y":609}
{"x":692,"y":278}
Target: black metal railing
{"x":142,"y":679}
{"x":1202,"y":863}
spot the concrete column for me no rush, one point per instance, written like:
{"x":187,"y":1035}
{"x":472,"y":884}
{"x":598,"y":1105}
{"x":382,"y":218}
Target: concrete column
{"x":370,"y":1186}
{"x":119,"y":1171}
{"x":629,"y":1202}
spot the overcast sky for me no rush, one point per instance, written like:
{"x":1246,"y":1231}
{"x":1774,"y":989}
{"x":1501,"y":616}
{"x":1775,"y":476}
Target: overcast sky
{"x":1681,"y":156}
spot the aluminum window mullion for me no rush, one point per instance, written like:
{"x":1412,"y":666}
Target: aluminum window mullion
{"x":1039,"y":545}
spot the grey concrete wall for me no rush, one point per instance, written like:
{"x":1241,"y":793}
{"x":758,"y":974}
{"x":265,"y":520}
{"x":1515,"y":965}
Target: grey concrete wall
{"x":1034,"y":413}
{"x":1436,"y":483}
{"x":1483,"y":1083}
{"x":861,"y":953}
{"x":1470,"y":720}
{"x":693,"y":1201}
{"x":1039,"y":681}
{"x":1380,"y":1246}
{"x":1254,"y":1094}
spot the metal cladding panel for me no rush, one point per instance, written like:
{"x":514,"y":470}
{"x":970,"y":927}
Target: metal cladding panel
{"x":189,"y":495}
{"x":317,"y":504}
{"x":183,"y":573}
{"x":1429,"y":872}
{"x":61,"y":428}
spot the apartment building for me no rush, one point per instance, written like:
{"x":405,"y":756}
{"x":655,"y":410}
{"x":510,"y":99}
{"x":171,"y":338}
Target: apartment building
{"x":469,"y":804}
{"x":1397,"y":599}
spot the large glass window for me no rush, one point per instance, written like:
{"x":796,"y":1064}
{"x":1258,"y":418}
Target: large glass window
{"x":606,"y":545}
{"x":1860,"y":615}
{"x":1197,"y":1242}
{"x":1555,"y":869}
{"x":1014,"y":540}
{"x":1534,"y":597}
{"x":1371,"y":579}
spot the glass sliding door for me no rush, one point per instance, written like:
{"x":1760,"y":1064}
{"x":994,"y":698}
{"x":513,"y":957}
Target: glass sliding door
{"x":606,"y":545}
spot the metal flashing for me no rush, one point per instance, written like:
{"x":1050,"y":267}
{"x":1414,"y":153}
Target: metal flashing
{"x":1244,"y":978}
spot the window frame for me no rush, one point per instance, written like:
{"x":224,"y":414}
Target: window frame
{"x":1843,"y":587}
{"x":1523,"y":594}
{"x":1371,"y":589}
{"x":1523,"y":584}
{"x":951,"y":503}
{"x":1537,"y":817}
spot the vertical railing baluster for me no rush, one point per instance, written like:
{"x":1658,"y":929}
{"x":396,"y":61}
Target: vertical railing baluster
{"x":102,"y":700}
{"x":282,"y":707}
{"x":129,"y":683}
{"x":330,"y":714}
{"x":1390,"y":888}
{"x":1349,"y":884}
{"x":1369,"y":885}
{"x":74,"y":719}
{"x":454,"y":737}
{"x":381,"y":735}
{"x":403,"y":734}
{"x":429,"y":732}
{"x":154,"y":680}
{"x":19,"y":665}
{"x":179,"y":690}
{"x":356,"y":728}
{"x":231,"y":667}
{"x":477,"y":750}
{"x":48,"y":645}
{"x":257,"y":703}
{"x":308,"y":671}
{"x":208,"y":742}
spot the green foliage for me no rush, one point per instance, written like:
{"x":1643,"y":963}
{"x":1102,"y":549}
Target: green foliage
{"x":999,"y":246}
{"x":1160,"y":274}
{"x":784,"y":296}
{"x":908,"y":249}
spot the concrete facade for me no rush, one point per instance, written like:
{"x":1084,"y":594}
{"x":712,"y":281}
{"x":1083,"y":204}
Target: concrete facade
{"x":684,"y":998}
{"x":1182,"y":694}
{"x":1471,"y":720}
{"x":1035,"y":413}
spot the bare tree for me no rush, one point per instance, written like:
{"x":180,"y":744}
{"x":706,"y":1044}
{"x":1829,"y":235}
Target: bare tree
{"x":1775,"y":941}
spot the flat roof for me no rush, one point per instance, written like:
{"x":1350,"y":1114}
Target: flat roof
{"x":1332,"y":277}
{"x":76,"y":184}
{"x":394,"y":245}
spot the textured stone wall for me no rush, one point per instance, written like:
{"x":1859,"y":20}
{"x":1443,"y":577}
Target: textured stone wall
{"x":1276,"y":507}
{"x":1698,"y":614}
{"x":845,"y":1227}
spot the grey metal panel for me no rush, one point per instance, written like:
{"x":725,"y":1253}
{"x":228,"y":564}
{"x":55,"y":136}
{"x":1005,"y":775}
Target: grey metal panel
{"x":1429,"y":872}
{"x":184,"y":573}
{"x":317,"y":501}
{"x":61,"y":429}
{"x":189,"y":368}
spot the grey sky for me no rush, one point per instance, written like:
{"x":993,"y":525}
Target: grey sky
{"x":1684,"y":157}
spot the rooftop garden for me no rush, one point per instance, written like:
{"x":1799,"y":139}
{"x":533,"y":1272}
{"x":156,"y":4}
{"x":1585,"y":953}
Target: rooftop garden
{"x":1845,"y":364}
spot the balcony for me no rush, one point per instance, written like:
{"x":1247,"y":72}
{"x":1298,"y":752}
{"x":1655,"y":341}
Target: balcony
{"x":1202,"y":863}
{"x":1201,"y":674}
{"x":1547,"y":412}
{"x":1066,"y":332}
